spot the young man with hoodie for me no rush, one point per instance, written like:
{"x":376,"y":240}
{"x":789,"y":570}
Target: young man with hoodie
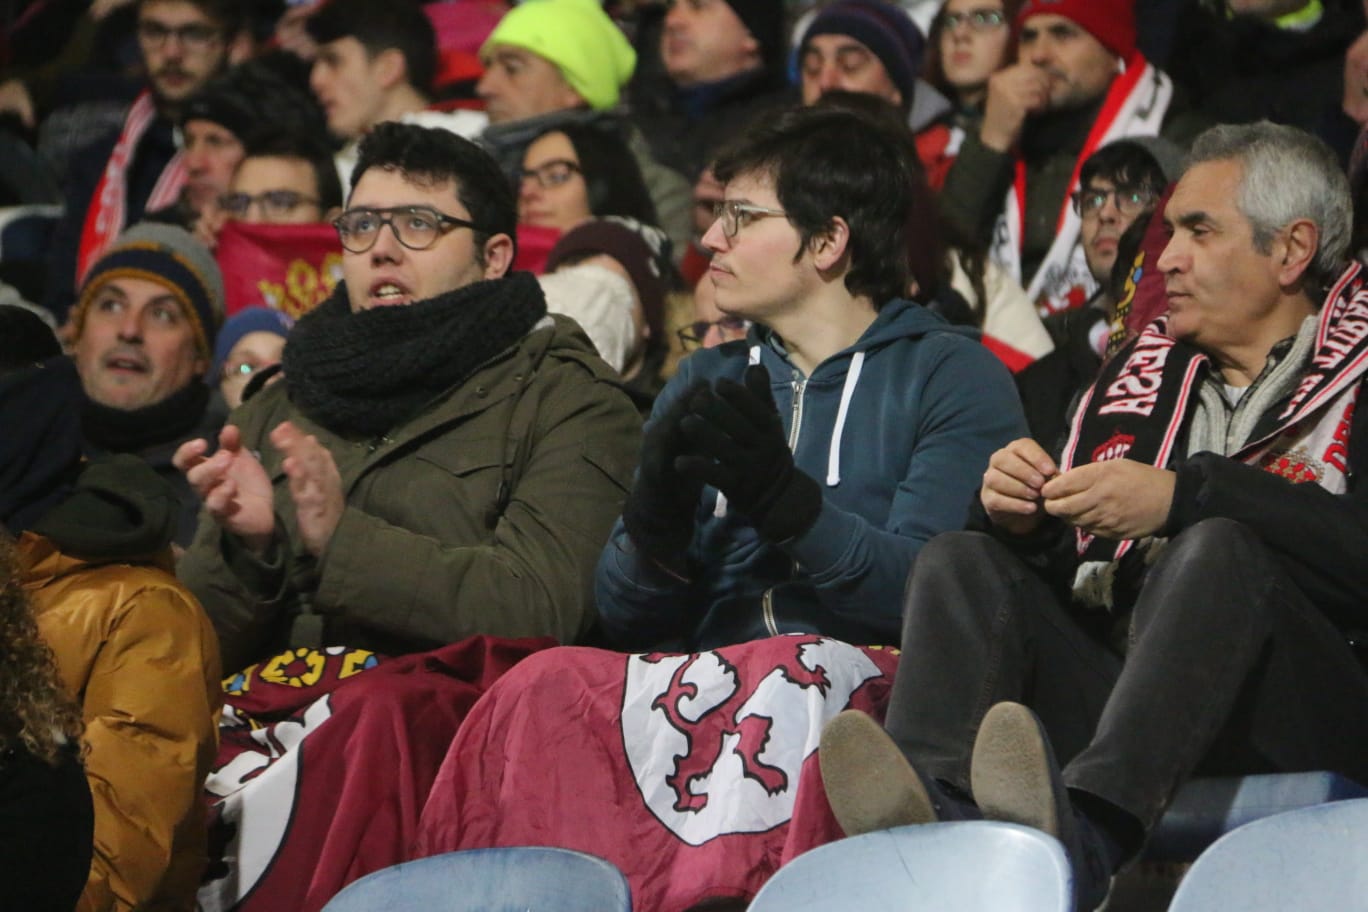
{"x":787,"y":482}
{"x":747,"y":520}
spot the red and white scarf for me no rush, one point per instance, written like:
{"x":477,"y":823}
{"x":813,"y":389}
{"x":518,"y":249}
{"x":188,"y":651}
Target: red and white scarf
{"x":108,"y":207}
{"x":1141,"y":404}
{"x":1135,"y":105}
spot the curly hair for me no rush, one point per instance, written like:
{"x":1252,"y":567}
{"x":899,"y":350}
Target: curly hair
{"x":35,"y":710}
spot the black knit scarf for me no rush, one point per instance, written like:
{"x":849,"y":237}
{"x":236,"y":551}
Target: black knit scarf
{"x":115,"y":430}
{"x":361,"y":374}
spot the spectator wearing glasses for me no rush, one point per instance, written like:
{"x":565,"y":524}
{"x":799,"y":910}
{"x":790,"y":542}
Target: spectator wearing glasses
{"x":264,"y":96}
{"x":710,"y":327}
{"x":730,"y":534}
{"x":115,"y":181}
{"x":285,"y":178}
{"x":250,"y":341}
{"x":441,"y":459}
{"x":554,"y":62}
{"x":1119,"y":188}
{"x":577,"y":172}
{"x":1079,"y":82}
{"x":968,"y":41}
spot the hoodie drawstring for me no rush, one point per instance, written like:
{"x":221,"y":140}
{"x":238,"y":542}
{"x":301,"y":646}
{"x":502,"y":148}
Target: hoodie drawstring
{"x":847,"y":393}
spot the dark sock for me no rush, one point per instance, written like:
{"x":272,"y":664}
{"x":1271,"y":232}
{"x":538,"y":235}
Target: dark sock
{"x":951,"y":801}
{"x":1117,"y":835}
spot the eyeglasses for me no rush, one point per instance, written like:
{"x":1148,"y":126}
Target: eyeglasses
{"x":195,"y":37}
{"x":416,"y":227}
{"x":693,"y":335}
{"x":1130,"y":201}
{"x":736,"y":215}
{"x":273,"y":203}
{"x":551,"y":174}
{"x":978,"y":20}
{"x":240,"y":370}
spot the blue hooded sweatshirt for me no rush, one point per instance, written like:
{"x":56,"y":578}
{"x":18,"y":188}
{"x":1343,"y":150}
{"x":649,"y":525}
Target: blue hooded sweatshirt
{"x":897,"y":429}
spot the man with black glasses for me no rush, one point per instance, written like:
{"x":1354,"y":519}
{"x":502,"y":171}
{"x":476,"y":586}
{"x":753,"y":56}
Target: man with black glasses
{"x":141,"y":168}
{"x":442,"y":458}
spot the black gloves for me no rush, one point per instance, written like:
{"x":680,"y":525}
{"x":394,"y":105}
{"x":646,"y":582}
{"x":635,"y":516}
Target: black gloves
{"x":736,"y":443}
{"x":659,"y":512}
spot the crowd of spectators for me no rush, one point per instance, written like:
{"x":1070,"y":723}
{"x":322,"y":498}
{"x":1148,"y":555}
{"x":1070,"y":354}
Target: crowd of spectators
{"x":1023,"y":335}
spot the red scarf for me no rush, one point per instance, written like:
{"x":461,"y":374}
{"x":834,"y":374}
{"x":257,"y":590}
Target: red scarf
{"x":109,"y":205}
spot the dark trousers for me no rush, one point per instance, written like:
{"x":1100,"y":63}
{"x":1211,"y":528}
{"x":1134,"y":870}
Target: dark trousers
{"x":1227,"y":668}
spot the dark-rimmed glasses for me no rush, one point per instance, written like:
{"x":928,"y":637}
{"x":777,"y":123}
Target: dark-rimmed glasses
{"x":196,"y":36}
{"x":735,"y":215}
{"x":273,"y":203}
{"x":416,"y":227}
{"x":550,"y":174}
{"x":693,"y":335}
{"x":978,"y":20}
{"x":1130,"y":201}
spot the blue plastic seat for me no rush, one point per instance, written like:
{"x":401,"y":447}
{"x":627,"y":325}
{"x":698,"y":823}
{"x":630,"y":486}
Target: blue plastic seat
{"x":513,"y":879}
{"x":1311,"y":860}
{"x":962,"y":865}
{"x":1205,"y":809}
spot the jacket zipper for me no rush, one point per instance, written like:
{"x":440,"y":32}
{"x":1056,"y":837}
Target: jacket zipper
{"x":767,"y":612}
{"x":796,"y":423}
{"x":796,"y":417}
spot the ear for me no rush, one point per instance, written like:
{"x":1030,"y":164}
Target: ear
{"x":389,"y":68}
{"x":1295,"y":251}
{"x":331,"y":214}
{"x":828,"y":249}
{"x":498,"y":256}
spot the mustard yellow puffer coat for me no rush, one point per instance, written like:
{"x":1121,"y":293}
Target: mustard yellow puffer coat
{"x":136,"y":650}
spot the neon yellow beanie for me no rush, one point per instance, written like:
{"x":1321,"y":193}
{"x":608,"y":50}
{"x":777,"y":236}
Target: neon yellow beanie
{"x":578,"y":37}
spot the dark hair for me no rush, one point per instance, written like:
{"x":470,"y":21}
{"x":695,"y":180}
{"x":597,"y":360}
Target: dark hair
{"x":430,"y":155}
{"x":1125,"y":164}
{"x":35,"y":709}
{"x":229,"y":15}
{"x":263,"y":95}
{"x":25,"y":340}
{"x":382,"y":25}
{"x":308,"y":148}
{"x":934,"y":73}
{"x":827,"y":161}
{"x":611,"y":173}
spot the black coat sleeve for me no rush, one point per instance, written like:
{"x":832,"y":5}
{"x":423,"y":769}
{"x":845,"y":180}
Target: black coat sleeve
{"x":1321,"y":538}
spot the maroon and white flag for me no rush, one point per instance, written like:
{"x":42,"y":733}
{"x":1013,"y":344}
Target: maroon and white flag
{"x":681,"y":769}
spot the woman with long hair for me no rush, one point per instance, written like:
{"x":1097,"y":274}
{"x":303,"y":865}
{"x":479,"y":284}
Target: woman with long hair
{"x":578,"y":171}
{"x":46,"y":817}
{"x":969,"y":41}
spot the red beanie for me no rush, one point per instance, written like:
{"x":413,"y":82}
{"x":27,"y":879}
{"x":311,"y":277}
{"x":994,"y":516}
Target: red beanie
{"x":1111,"y":22}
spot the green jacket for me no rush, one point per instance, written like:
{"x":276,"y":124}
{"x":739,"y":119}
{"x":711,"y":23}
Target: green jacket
{"x":485,"y":514}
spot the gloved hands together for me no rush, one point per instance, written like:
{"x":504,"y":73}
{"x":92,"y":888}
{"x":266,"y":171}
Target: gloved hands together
{"x":659,"y":512}
{"x":734,"y":441}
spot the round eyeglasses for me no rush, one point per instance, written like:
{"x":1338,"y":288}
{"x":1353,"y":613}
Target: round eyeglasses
{"x":1130,"y":201}
{"x":416,"y":227}
{"x":694,"y":335}
{"x":735,"y":215}
{"x":550,"y":174}
{"x":195,"y":37}
{"x":273,"y":203}
{"x":978,"y":20}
